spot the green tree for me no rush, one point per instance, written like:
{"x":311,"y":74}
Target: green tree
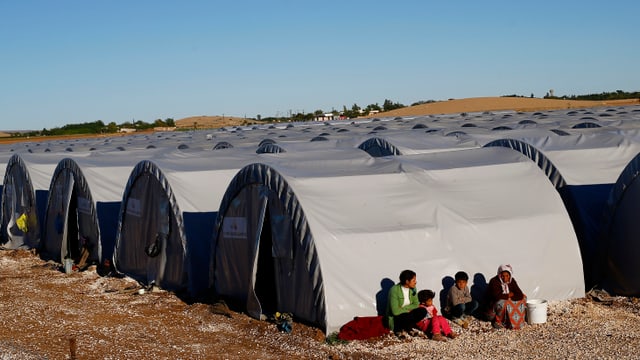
{"x":421,"y":102}
{"x":373,"y":107}
{"x":354,"y":112}
{"x":112,"y":127}
{"x":389,"y":105}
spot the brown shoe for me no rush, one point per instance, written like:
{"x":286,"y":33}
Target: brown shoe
{"x":452,"y":335}
{"x":438,"y":337}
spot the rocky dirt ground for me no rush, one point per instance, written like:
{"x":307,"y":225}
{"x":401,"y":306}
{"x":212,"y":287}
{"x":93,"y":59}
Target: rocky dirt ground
{"x":47,"y":314}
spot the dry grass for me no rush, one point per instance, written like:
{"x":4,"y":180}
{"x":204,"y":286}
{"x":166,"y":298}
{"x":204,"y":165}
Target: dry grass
{"x":482,"y":104}
{"x":211,"y":122}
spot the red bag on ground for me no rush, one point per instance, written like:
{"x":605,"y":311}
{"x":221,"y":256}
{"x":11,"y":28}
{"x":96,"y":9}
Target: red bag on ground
{"x":362,"y":328}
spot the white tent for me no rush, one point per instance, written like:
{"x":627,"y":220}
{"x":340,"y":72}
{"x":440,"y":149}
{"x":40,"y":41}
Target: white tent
{"x":318,"y":238}
{"x":165,"y":224}
{"x":84,"y":202}
{"x":24,"y":195}
{"x":583,"y":167}
{"x":313,"y":212}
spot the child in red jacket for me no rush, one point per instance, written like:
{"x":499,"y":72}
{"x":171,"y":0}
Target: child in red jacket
{"x":433,"y":324}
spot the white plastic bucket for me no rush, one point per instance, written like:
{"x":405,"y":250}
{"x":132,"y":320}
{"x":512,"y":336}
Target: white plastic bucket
{"x":536,"y":311}
{"x":68,"y":265}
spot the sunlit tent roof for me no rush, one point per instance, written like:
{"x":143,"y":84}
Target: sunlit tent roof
{"x":596,"y":158}
{"x":414,"y":143}
{"x":583,"y":167}
{"x":331,"y":233}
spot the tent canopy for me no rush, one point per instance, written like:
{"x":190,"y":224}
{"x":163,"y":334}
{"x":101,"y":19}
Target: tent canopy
{"x":328,"y":223}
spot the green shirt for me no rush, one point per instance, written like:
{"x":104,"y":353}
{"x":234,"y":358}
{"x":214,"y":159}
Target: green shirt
{"x":396,"y":299}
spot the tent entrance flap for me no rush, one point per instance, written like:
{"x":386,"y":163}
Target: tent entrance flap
{"x":158,"y":243}
{"x":68,"y":221}
{"x":266,"y":288}
{"x":254,"y":306}
{"x":20,"y":228}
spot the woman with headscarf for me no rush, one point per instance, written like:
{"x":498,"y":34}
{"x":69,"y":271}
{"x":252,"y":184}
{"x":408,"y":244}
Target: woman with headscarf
{"x":506,"y":302}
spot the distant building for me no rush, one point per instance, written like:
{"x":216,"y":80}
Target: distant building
{"x":164,"y":128}
{"x":127,"y":130}
{"x":330,"y":116}
{"x":326,"y":117}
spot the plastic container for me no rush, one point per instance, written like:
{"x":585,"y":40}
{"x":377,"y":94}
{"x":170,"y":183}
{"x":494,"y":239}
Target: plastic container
{"x":536,"y":311}
{"x":68,"y":265}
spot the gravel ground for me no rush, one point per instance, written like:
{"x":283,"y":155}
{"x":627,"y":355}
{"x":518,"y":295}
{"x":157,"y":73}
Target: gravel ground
{"x":46,"y":314}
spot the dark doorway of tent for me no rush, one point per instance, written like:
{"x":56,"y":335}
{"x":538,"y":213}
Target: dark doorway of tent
{"x":71,"y":243}
{"x":76,"y":249}
{"x":265,"y":286}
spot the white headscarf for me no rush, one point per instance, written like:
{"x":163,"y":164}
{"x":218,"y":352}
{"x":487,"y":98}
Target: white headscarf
{"x":505,"y":285}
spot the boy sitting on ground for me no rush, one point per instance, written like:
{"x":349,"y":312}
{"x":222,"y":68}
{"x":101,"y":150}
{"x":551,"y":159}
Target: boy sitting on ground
{"x":460,"y":305}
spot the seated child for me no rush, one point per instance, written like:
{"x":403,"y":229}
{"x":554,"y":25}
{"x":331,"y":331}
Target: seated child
{"x":433,"y":324}
{"x":459,"y":301}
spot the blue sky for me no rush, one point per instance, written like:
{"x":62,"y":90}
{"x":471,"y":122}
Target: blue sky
{"x":74,"y":61}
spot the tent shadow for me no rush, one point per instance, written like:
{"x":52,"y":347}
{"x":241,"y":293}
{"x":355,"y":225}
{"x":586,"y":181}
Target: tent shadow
{"x":447,"y":283}
{"x":382,"y":296}
{"x":479,"y":290}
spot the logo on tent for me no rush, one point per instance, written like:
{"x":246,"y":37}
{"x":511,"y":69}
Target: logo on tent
{"x":234,"y":228}
{"x":133,"y":207}
{"x":84,"y":206}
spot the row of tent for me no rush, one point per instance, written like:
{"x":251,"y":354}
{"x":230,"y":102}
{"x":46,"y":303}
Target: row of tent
{"x":315,"y":219}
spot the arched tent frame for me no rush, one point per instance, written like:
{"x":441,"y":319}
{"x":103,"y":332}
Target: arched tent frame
{"x":269,"y":148}
{"x":275,"y":194}
{"x":163,"y":259}
{"x":536,"y":156}
{"x":397,"y":143}
{"x":378,"y":147}
{"x":583,"y":192}
{"x":19,"y":207}
{"x":70,"y":224}
{"x":588,"y":242}
{"x":362,"y":215}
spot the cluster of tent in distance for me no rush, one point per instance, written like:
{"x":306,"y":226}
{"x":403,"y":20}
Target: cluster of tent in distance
{"x":315,"y":218}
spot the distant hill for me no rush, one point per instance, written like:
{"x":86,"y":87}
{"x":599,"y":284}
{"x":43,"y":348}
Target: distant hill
{"x":482,"y":104}
{"x":209,"y":122}
{"x":479,"y":104}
